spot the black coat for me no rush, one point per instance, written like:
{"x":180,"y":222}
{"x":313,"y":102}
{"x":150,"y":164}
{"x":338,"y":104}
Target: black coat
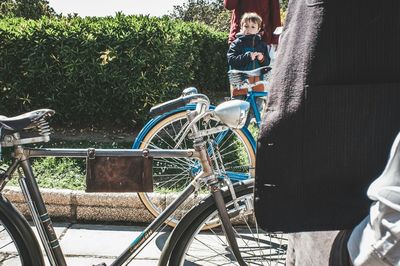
{"x":332,"y":115}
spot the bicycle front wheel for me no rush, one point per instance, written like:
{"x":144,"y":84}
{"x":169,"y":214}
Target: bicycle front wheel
{"x":172,"y":175}
{"x":197,"y":246}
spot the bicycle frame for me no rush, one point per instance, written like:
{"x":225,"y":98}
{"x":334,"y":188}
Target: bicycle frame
{"x":38,"y":210}
{"x":251,"y":98}
{"x":43,"y":222}
{"x":239,"y":79}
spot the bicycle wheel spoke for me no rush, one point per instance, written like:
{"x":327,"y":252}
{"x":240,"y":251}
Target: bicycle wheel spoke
{"x":232,"y":162}
{"x":167,"y":165}
{"x":225,"y":139}
{"x":12,"y":250}
{"x":210,"y":247}
{"x":222,"y":151}
{"x":7,"y":244}
{"x":212,"y":253}
{"x":171,"y":161}
{"x":173,"y":180}
{"x":168,"y":135}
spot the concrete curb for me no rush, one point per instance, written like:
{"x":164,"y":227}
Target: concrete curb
{"x":79,"y":206}
{"x":76,"y":206}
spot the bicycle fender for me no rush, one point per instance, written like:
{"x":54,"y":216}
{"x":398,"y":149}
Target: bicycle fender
{"x":250,"y":138}
{"x":152,"y":122}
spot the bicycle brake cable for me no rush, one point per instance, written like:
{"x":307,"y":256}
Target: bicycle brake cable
{"x":223,"y":172}
{"x":1,"y":128}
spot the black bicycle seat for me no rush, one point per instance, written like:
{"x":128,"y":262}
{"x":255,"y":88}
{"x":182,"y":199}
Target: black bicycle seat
{"x":24,"y":121}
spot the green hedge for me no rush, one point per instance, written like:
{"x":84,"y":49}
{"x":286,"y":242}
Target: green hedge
{"x":105,"y":71}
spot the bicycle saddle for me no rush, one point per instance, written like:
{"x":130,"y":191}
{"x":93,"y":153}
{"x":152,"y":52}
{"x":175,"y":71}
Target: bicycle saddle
{"x":24,"y":121}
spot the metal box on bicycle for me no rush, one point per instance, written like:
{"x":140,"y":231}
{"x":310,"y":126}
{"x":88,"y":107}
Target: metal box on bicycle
{"x":118,"y":173}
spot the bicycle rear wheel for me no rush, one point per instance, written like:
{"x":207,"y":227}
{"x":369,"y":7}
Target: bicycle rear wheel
{"x":196,"y":246}
{"x":171,"y":175}
{"x":17,"y":243}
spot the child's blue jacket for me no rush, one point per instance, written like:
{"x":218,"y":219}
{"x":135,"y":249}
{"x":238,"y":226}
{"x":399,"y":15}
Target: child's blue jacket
{"x":240,"y":49}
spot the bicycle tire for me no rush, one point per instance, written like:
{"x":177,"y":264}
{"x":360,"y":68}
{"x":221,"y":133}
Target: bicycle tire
{"x":190,"y":245}
{"x":161,"y":133}
{"x":18,"y":245}
{"x":339,"y":256}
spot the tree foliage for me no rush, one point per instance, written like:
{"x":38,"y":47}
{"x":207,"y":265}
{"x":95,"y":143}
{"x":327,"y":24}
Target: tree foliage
{"x":284,"y":4}
{"x":29,"y":9}
{"x":209,"y":12}
{"x":105,"y":71}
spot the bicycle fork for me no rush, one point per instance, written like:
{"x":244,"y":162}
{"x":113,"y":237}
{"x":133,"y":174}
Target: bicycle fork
{"x":213,"y":184}
{"x":38,"y":211}
{"x":226,"y":222}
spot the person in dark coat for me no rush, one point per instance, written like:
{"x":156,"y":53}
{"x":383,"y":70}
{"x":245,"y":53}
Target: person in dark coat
{"x":268,"y":10}
{"x":333,"y":112}
{"x":248,"y":51}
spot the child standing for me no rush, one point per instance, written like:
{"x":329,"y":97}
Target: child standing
{"x":248,"y":52}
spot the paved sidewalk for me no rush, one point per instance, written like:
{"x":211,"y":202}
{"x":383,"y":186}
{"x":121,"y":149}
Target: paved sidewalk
{"x":91,"y":244}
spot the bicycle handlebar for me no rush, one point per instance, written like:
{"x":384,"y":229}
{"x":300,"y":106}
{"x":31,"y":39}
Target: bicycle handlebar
{"x":176,"y":103}
{"x":250,"y":73}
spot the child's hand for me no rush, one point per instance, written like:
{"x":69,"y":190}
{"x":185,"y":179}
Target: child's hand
{"x":253,"y":55}
{"x":260,"y":56}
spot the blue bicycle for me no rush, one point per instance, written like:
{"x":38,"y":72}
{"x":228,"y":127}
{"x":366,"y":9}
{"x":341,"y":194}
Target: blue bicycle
{"x":234,"y":147}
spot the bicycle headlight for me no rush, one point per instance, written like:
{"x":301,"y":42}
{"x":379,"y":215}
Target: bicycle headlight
{"x":233,"y":113}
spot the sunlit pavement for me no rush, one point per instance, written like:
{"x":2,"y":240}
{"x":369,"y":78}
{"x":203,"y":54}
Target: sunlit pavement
{"x":89,"y":244}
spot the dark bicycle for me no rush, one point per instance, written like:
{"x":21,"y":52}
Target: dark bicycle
{"x":233,"y":238}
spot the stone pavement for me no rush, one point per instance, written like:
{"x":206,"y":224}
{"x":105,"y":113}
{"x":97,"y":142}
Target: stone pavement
{"x":91,"y":244}
{"x":86,"y":236}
